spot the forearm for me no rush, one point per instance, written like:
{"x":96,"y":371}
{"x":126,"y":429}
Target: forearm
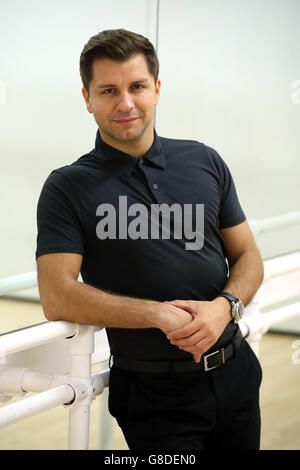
{"x":82,"y":303}
{"x":245,"y":276}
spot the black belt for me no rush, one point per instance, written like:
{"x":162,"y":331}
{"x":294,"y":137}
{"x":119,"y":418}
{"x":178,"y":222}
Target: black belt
{"x":208,"y":361}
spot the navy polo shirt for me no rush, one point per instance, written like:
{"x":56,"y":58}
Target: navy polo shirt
{"x":101,"y":206}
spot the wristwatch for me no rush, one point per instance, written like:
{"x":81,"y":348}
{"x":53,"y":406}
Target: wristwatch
{"x":237,"y":306}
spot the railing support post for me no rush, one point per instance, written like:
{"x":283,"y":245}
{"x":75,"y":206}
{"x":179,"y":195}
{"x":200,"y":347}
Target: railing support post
{"x":106,"y":421}
{"x":81,"y":349}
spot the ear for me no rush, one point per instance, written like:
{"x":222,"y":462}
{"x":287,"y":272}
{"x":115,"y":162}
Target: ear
{"x":157,"y":91}
{"x":87,"y":100}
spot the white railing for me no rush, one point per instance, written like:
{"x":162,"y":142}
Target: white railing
{"x":20,"y":282}
{"x":54,"y":359}
{"x":284,"y":220}
{"x":28,"y":358}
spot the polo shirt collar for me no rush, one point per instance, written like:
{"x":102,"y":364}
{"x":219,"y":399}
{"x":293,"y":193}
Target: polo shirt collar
{"x":123,"y":162}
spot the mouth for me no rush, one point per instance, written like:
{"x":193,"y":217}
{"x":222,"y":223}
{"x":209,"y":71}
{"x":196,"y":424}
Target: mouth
{"x":125,"y":121}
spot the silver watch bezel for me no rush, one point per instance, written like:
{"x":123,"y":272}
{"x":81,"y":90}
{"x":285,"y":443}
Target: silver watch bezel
{"x":237,"y":310}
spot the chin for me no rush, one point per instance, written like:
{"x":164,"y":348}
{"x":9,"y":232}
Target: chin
{"x":130,"y":134}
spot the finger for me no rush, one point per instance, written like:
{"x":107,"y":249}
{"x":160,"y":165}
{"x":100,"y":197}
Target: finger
{"x":189,"y":340}
{"x":199,"y":348}
{"x":175,"y":301}
{"x":185,"y":304}
{"x":182,"y":305}
{"x":185,"y":331}
{"x":197,"y":357}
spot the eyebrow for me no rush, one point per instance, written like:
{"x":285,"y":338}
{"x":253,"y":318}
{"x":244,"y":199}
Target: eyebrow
{"x":111,"y":85}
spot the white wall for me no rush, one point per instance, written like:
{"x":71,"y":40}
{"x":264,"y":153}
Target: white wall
{"x":43,"y":120}
{"x":227,"y":70}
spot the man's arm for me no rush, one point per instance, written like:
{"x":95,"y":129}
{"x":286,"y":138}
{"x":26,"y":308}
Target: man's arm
{"x":64,"y":298}
{"x":246,"y":269}
{"x":211,"y":318}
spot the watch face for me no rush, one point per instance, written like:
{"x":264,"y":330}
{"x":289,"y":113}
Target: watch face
{"x":238,"y":310}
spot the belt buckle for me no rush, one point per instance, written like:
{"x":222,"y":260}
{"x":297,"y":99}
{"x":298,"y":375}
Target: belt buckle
{"x":206,"y":367}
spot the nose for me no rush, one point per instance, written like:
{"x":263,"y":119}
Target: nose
{"x":125,"y":103}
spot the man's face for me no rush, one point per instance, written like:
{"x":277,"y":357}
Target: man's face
{"x":122,"y":97}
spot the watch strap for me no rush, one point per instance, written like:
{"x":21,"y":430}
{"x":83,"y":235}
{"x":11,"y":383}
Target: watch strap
{"x":228,"y":296}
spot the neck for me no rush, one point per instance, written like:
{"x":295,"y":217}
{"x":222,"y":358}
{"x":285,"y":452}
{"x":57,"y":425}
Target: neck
{"x":136,"y":148}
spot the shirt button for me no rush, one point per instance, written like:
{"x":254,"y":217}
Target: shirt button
{"x":141,"y":161}
{"x":155,"y":186}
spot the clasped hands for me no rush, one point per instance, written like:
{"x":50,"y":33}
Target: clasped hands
{"x":208,"y":323}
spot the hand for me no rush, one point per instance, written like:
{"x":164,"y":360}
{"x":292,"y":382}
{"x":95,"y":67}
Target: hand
{"x":209,"y":322}
{"x":170,"y":318}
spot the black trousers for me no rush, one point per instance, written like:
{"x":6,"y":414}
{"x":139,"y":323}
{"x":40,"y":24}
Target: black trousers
{"x":217,"y":409}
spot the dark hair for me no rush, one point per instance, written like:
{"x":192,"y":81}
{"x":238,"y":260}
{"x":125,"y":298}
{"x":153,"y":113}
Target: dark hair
{"x":119,"y":45}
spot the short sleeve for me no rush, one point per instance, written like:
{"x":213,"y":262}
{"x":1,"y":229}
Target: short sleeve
{"x":230,"y":212}
{"x":58,"y":219}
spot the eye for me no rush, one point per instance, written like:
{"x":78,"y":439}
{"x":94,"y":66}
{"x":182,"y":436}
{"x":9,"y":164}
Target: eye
{"x":138,"y":86}
{"x":108,"y":91}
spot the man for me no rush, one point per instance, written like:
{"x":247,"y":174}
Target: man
{"x":182,"y":376}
